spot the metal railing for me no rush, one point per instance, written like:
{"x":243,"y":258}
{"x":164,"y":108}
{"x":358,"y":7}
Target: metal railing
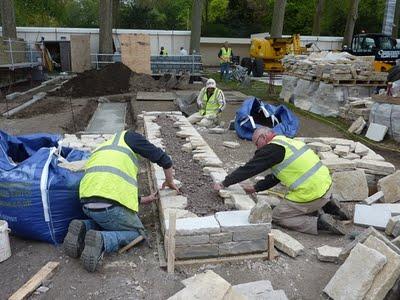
{"x":178,"y":63}
{"x":98,"y":60}
{"x":16,"y":54}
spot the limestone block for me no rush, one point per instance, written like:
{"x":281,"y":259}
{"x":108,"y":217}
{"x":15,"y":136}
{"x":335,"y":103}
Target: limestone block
{"x":192,"y":239}
{"x":251,"y":234}
{"x":355,"y":277}
{"x":212,"y":162}
{"x":270,"y":199}
{"x":173,"y":202}
{"x":390,"y":186}
{"x":341,"y":150}
{"x":357,"y":126}
{"x":378,"y":167}
{"x":180,"y":213}
{"x":319,"y":147}
{"x":351,"y":156}
{"x":374,"y":156}
{"x":339,"y":164}
{"x":327,"y":155}
{"x":373,"y":198}
{"x":238,"y":221}
{"x":261,"y":213}
{"x":386,"y":278}
{"x":367,"y":215}
{"x":361,"y":149}
{"x":396,"y":229}
{"x":217,"y":130}
{"x":242,"y":201}
{"x":167,"y":192}
{"x":255,"y":289}
{"x":328,"y":253}
{"x":232,"y":145}
{"x":218,"y":177}
{"x":391,"y":223}
{"x":223,"y":237}
{"x":344,"y":142}
{"x":233,"y":248}
{"x":196,"y":226}
{"x":376,"y":132}
{"x":349,"y":186}
{"x":286,"y":243}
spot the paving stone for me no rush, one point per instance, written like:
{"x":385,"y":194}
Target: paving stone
{"x":328,"y":253}
{"x":173,"y":202}
{"x":180,"y":213}
{"x":233,"y":248}
{"x":373,"y":198}
{"x":376,"y":132}
{"x":238,"y":221}
{"x":356,"y":275}
{"x":270,"y":199}
{"x":327,"y":155}
{"x":254,"y":290}
{"x":261,"y":213}
{"x":357,"y":126}
{"x":192,"y":239}
{"x":339,"y":164}
{"x":390,"y":186}
{"x":232,"y":145}
{"x":351,"y":156}
{"x":381,"y":167}
{"x":319,"y":147}
{"x":196,"y":226}
{"x":387,"y":277}
{"x":223,"y":237}
{"x":286,"y":243}
{"x":361,"y":149}
{"x":349,"y":186}
{"x":341,"y":150}
{"x":242,"y":201}
{"x":367,"y":215}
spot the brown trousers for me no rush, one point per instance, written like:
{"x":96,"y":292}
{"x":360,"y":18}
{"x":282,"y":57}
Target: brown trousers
{"x":300,"y":217}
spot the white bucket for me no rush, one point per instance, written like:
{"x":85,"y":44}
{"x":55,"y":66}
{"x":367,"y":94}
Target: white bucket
{"x":5,"y":250}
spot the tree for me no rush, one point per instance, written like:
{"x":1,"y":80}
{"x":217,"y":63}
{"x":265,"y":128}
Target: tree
{"x":105,"y":28}
{"x":317,"y":18}
{"x":197,"y":9}
{"x":8,"y":19}
{"x":115,"y":12}
{"x":350,"y":23}
{"x":396,"y":20}
{"x":278,"y":18}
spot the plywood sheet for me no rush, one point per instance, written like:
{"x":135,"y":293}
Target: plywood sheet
{"x":135,"y":52}
{"x":80,"y":53}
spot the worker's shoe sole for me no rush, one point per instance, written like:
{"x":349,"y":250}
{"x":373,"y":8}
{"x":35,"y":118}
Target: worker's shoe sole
{"x":93,"y":251}
{"x":74,"y":241}
{"x":327,"y":222}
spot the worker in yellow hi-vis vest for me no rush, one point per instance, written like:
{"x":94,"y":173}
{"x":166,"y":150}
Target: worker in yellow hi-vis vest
{"x":225,"y":58}
{"x":308,"y":205}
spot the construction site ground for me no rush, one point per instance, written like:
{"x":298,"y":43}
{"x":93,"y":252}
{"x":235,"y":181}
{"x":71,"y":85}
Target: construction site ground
{"x":137,"y":274}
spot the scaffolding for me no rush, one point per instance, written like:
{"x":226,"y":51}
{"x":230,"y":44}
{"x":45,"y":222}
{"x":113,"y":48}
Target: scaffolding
{"x":16,"y":54}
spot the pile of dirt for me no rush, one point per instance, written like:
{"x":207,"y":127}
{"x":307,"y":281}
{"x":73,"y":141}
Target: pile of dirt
{"x":196,"y":186}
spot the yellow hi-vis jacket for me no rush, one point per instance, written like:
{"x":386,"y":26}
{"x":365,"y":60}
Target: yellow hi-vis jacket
{"x":210,"y":105}
{"x":111,"y":173}
{"x":301,"y":171}
{"x":225,"y":55}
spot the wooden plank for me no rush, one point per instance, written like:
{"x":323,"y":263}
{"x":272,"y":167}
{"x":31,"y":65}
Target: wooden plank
{"x":171,"y":242}
{"x":32,"y":284}
{"x":131,"y":244}
{"x":80,"y":52}
{"x":263,"y":255}
{"x":135,"y":52}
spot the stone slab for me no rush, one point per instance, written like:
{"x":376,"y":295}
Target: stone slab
{"x":191,"y":239}
{"x":238,"y":221}
{"x":319,"y":147}
{"x":173,"y":202}
{"x":254,"y":290}
{"x":286,"y":243}
{"x":242,"y":201}
{"x":376,"y":132}
{"x":180,"y":213}
{"x":396,"y":242}
{"x":232,"y":145}
{"x":361,"y":149}
{"x":327,"y":155}
{"x":349,"y":185}
{"x":196,"y":226}
{"x":373,"y":198}
{"x":357,"y":126}
{"x":341,"y":150}
{"x":233,"y":248}
{"x":328,"y":253}
{"x":394,"y":208}
{"x":261,"y":213}
{"x":391,"y":224}
{"x":382,"y":167}
{"x":367,"y":215}
{"x":155,"y":96}
{"x":108,"y":118}
{"x":356,"y":275}
{"x":387,"y":277}
{"x":390,"y":186}
{"x":270,"y":199}
{"x":223,"y":237}
{"x":339,"y":164}
{"x":194,"y":251}
{"x":250,"y":235}
{"x":351,"y":155}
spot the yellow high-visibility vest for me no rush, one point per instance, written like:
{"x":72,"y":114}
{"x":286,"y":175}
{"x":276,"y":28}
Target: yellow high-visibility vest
{"x":225,"y":55}
{"x":210,"y":105}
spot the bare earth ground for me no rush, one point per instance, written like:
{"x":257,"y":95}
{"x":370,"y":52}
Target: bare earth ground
{"x":124,"y":276}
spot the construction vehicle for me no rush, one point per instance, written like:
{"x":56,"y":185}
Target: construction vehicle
{"x":382,"y":46}
{"x":266,"y":54}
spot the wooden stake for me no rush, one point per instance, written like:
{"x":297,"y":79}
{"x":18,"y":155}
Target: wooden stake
{"x":271,"y":247}
{"x":32,"y":284}
{"x":171,"y":242}
{"x":131,"y":244}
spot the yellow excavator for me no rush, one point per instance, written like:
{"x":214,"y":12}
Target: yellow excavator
{"x":266,"y":54}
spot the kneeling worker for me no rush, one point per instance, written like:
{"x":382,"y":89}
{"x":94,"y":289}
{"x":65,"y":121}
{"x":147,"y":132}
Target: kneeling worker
{"x":211,"y":102}
{"x":110,"y":196}
{"x":297,"y":167}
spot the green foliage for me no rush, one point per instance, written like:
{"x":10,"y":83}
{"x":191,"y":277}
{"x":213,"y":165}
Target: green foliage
{"x":82,"y":13}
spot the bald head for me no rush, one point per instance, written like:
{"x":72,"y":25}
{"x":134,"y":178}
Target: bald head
{"x":262,"y":136}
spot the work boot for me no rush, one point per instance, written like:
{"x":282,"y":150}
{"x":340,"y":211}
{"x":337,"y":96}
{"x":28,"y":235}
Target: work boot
{"x":93,"y":251}
{"x":328,"y":223}
{"x":333,"y":207}
{"x":74,"y":241}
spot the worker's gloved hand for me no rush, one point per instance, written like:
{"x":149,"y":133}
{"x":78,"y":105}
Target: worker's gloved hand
{"x":249,"y":189}
{"x":150,"y":198}
{"x":218,"y":186}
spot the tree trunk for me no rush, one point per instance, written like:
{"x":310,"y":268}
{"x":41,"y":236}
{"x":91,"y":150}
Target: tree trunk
{"x":278,"y":18}
{"x":351,"y":21}
{"x":8,"y":19}
{"x":115,"y":13}
{"x":105,"y":22}
{"x":196,"y":26}
{"x":317,"y":18}
{"x":396,"y":20}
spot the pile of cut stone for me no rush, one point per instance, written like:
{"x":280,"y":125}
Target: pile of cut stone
{"x":356,"y":107}
{"x":331,"y":67}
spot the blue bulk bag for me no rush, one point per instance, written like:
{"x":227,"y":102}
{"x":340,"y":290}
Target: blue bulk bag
{"x":254,"y":113}
{"x":38,"y":198}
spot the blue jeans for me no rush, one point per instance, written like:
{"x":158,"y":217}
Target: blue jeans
{"x":225,"y":71}
{"x":118,"y":225}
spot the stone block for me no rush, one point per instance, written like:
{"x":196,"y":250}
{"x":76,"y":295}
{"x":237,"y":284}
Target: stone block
{"x":270,"y":199}
{"x":396,"y":229}
{"x":333,"y":142}
{"x":357,"y":126}
{"x":376,"y":132}
{"x":327,"y":155}
{"x":355,"y":276}
{"x":261,"y":213}
{"x":396,"y":242}
{"x":378,"y":167}
{"x":196,"y":226}
{"x":192,"y":239}
{"x":374,"y":156}
{"x":194,"y":251}
{"x":351,"y":156}
{"x":387,"y":277}
{"x":167,"y":192}
{"x":232,"y":145}
{"x":391,"y":223}
{"x":367,"y":215}
{"x":361,"y":149}
{"x":242,"y":201}
{"x":373,"y":198}
{"x":251,"y":234}
{"x":180,"y":213}
{"x":187,"y":147}
{"x":341,"y":150}
{"x":238,"y":221}
{"x":328,"y":253}
{"x":286,"y":243}
{"x":218,"y":177}
{"x":319,"y":147}
{"x":233,"y":248}
{"x":211,"y":162}
{"x":173,"y":202}
{"x":255,"y":289}
{"x":349,"y":186}
{"x":208,"y":170}
{"x":223,"y":237}
{"x":390,"y":186}
{"x":217,"y":130}
{"x":339,"y":164}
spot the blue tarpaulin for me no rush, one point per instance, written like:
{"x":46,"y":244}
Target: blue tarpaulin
{"x":254,"y":113}
{"x":38,"y":198}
